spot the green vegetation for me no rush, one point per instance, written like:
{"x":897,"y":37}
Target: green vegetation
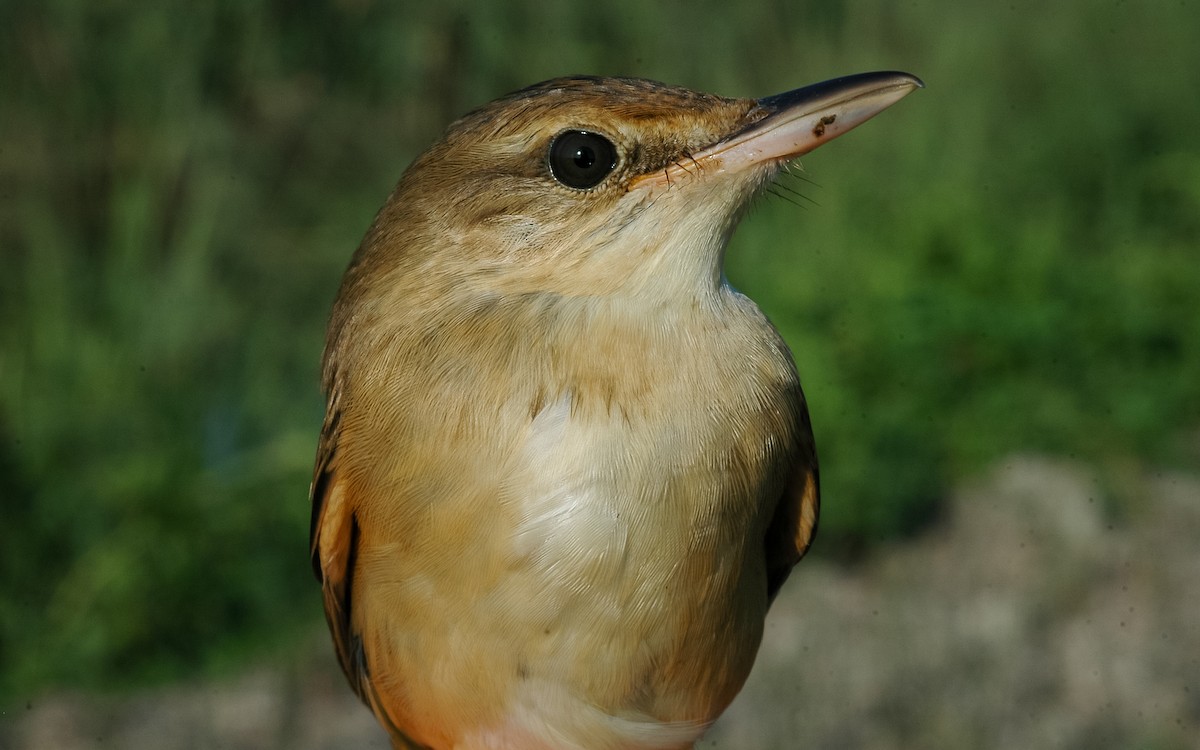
{"x":1005,"y":261}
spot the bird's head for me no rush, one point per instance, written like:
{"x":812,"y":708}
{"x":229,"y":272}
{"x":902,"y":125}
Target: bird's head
{"x":598,"y":186}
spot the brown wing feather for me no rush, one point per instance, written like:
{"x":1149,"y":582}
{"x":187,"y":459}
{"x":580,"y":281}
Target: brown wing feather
{"x":333,"y":544}
{"x":795,"y":521}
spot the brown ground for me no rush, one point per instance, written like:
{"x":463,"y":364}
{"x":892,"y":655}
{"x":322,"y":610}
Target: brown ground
{"x":1028,"y":619}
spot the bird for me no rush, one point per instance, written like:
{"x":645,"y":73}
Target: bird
{"x":565,"y":467}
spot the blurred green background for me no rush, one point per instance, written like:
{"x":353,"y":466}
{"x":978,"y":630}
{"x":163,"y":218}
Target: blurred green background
{"x":1005,"y":261}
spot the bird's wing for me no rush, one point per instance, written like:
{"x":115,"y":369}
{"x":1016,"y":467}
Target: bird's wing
{"x":795,"y":520}
{"x":334,"y":540}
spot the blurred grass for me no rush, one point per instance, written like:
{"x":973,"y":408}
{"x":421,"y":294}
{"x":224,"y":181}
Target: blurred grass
{"x":1005,"y":261}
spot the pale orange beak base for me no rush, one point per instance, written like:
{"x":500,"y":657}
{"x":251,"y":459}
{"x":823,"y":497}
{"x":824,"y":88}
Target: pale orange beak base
{"x":800,"y":120}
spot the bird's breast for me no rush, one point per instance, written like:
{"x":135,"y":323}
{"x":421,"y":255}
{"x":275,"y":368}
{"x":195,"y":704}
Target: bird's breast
{"x":605,"y":503}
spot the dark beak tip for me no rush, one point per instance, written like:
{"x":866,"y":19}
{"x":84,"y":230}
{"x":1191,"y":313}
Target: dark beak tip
{"x":880,"y":78}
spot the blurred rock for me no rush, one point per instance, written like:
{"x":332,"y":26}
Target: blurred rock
{"x":1029,"y":619}
{"x":307,"y":709}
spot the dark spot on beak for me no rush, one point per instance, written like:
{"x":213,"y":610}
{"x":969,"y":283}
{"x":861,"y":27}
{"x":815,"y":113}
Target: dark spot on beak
{"x":819,"y":128}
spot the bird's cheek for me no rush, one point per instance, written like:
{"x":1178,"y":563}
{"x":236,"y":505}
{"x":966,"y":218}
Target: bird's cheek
{"x":513,"y":236}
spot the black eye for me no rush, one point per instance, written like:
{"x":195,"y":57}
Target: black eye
{"x":581,"y":160}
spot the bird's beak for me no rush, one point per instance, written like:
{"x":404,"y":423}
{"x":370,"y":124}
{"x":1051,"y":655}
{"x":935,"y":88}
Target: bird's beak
{"x":796,"y":122}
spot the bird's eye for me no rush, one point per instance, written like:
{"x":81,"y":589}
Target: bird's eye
{"x":581,"y":160}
